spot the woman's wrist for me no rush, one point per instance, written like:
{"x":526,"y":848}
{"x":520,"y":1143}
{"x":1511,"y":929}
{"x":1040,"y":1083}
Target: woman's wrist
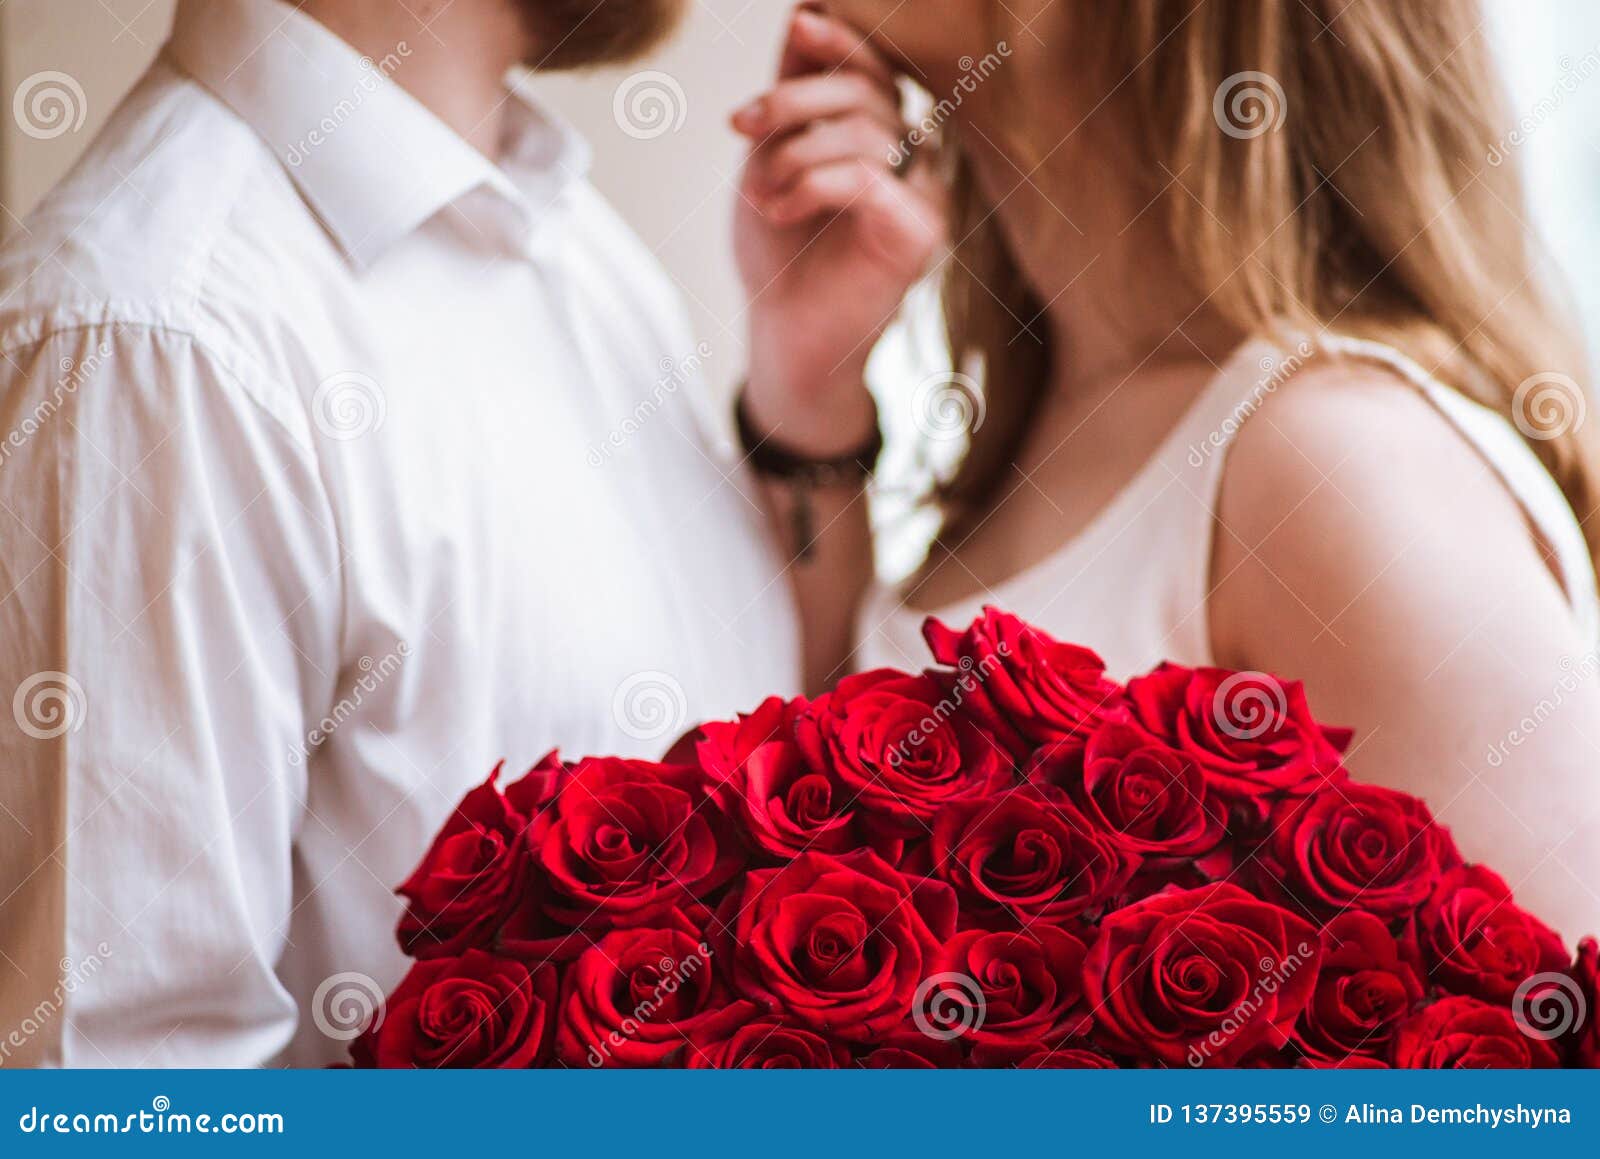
{"x":815,"y":420}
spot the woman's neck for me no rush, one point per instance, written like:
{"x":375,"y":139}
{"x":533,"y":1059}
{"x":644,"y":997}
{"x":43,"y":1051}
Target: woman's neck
{"x":1098,"y":256}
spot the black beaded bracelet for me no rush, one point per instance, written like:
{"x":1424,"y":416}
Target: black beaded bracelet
{"x":771,"y":459}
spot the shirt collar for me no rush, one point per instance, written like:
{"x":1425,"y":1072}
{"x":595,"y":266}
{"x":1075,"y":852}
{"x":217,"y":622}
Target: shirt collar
{"x":368,"y":158}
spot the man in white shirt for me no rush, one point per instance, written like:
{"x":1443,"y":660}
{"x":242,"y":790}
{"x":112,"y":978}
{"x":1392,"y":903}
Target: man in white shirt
{"x":339,"y":462}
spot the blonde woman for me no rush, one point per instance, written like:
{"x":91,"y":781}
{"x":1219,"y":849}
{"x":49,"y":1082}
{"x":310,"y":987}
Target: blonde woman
{"x":1270,"y":382}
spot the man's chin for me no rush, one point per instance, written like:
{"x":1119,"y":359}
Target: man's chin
{"x":583,"y":33}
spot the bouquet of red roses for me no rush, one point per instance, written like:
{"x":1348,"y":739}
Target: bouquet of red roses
{"x":1005,"y":860}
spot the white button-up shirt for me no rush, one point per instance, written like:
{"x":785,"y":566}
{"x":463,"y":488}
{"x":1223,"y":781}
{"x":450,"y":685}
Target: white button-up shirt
{"x":336,"y":464}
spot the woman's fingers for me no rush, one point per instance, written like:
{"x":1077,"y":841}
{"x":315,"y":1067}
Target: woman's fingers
{"x":795,"y":103}
{"x":819,"y":41}
{"x":777,"y":164}
{"x":901,"y":220}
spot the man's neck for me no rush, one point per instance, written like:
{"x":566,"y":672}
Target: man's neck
{"x":453,"y":54}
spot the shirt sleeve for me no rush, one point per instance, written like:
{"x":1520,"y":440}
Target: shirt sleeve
{"x":170,"y":612}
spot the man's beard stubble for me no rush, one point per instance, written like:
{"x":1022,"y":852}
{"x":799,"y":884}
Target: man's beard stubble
{"x":576,"y":33}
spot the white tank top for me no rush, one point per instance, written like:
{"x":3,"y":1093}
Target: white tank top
{"x":1133,"y":584}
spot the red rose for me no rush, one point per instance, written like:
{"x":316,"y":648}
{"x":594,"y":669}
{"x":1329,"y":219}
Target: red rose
{"x":633,"y":997}
{"x":1065,"y":1057}
{"x":472,"y":877}
{"x":1005,"y":991}
{"x":760,"y":776}
{"x":1367,"y":986}
{"x":1203,"y":976}
{"x":1152,"y":799}
{"x":1358,"y":846}
{"x":1462,"y":1033}
{"x":1026,"y":853}
{"x":898,"y":746}
{"x":1253,"y":734}
{"x":627,"y":841}
{"x":1477,"y":942}
{"x":475,"y":1011}
{"x":767,"y":1044}
{"x":1586,"y":1031}
{"x":895,"y":1058}
{"x":837,"y":944}
{"x":1025,"y":688}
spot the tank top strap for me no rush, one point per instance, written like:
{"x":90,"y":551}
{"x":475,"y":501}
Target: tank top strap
{"x":1263,"y":365}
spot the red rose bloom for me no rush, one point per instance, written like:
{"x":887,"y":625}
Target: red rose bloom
{"x":1462,"y":1033}
{"x":475,"y":1011}
{"x":1253,"y":734}
{"x":767,"y":1044}
{"x":1201,"y":976}
{"x":1006,"y":991}
{"x":1358,"y":846}
{"x":759,"y":775}
{"x":626,"y":841}
{"x":1150,"y":798}
{"x":1477,"y":942}
{"x":472,"y":877}
{"x":837,"y":944}
{"x":1586,"y":1032}
{"x":1367,"y":986}
{"x":633,"y":997}
{"x":1024,"y":854}
{"x":1025,"y":688}
{"x":1065,"y":1057}
{"x":897,"y":746}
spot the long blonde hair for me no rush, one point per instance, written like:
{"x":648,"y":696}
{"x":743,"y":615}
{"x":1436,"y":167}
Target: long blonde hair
{"x":1383,"y":206}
